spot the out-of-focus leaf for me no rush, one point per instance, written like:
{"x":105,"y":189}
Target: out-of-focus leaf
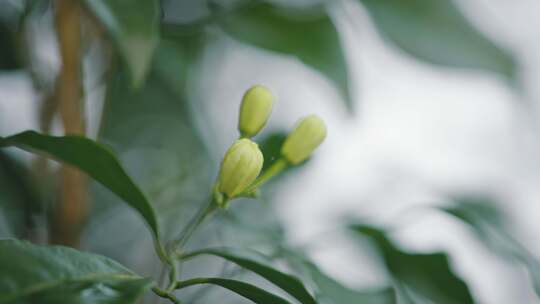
{"x":311,"y":37}
{"x":246,"y":290}
{"x":134,"y":28}
{"x":271,"y":148}
{"x":9,"y":60}
{"x":93,"y":159}
{"x":489,"y":225}
{"x":437,"y":32}
{"x":330,"y":291}
{"x":152,"y":130}
{"x":58,"y":275}
{"x":428,"y":275}
{"x":286,"y":282}
{"x":241,"y":227}
{"x":19,"y":200}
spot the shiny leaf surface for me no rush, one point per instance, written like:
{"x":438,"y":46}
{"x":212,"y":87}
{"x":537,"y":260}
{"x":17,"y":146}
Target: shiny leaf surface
{"x":93,"y":159}
{"x":55,"y":274}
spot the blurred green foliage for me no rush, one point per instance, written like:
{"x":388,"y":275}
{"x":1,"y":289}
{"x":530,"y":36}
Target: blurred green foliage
{"x":9,"y":54}
{"x":421,"y":277}
{"x":489,"y":225}
{"x":134,"y":30}
{"x":437,"y":32}
{"x":311,"y":37}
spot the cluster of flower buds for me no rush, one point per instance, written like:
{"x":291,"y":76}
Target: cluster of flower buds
{"x":239,"y":175}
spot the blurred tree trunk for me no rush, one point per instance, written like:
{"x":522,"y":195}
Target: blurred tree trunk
{"x":71,"y":210}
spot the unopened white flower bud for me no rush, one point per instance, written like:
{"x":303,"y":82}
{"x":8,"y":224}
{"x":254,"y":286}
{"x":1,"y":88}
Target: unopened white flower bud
{"x":306,"y":137}
{"x":241,"y":165}
{"x":255,"y":110}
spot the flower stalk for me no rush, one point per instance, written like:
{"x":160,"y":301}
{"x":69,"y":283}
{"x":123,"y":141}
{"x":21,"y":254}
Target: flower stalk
{"x":240,"y":176}
{"x":276,"y":168}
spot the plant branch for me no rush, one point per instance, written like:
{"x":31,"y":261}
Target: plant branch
{"x":169,"y":257}
{"x":193,"y":224}
{"x":166,"y":295}
{"x":173,"y":274}
{"x":72,"y":209}
{"x":274,"y":170}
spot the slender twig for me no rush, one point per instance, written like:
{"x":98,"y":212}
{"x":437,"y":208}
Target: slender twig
{"x":275,"y":169}
{"x":72,"y":210}
{"x":173,"y":274}
{"x":168,"y":257}
{"x":166,"y":295}
{"x":193,"y":224}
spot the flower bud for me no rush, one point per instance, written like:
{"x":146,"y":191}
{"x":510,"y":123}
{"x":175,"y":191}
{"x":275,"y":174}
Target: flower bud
{"x":300,"y":143}
{"x":240,"y":167}
{"x":255,"y":110}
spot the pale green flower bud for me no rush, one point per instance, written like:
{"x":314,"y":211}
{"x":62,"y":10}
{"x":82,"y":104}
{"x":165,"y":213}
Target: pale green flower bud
{"x":255,"y":110}
{"x":306,"y":137}
{"x":240,"y":167}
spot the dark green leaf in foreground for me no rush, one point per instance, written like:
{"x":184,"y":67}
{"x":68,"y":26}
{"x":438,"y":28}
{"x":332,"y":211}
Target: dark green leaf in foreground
{"x":60,"y":275}
{"x":489,"y":225}
{"x":92,"y":158}
{"x":246,"y":290}
{"x":330,"y":291}
{"x":437,"y":32}
{"x":134,"y":29}
{"x":286,"y":282}
{"x":427,"y":275}
{"x":310,"y":37}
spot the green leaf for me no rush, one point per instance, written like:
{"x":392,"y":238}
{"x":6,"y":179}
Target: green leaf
{"x":152,"y":129}
{"x":58,"y":275}
{"x":437,"y":32}
{"x":286,"y":282}
{"x":334,"y":292}
{"x":134,"y":28}
{"x":428,"y":275}
{"x":94,"y":159}
{"x":489,"y":225}
{"x":330,"y":291}
{"x":246,"y":290}
{"x":310,"y":37}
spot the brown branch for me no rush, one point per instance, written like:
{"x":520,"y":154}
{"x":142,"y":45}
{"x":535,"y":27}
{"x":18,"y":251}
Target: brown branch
{"x":71,"y":211}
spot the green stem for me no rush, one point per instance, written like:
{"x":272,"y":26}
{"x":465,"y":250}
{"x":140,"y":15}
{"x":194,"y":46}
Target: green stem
{"x":275,"y":169}
{"x":190,"y":282}
{"x":173,"y":274}
{"x":194,"y":223}
{"x":162,"y":254}
{"x":166,"y":295}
